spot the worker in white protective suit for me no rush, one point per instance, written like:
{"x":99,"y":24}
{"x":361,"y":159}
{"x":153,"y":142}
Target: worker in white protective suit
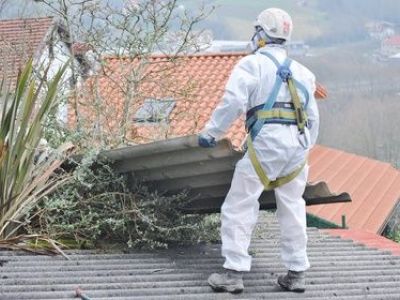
{"x":279,"y":146}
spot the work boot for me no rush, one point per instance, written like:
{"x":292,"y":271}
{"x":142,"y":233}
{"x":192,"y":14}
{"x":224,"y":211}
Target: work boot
{"x":293,"y":281}
{"x":231,"y":281}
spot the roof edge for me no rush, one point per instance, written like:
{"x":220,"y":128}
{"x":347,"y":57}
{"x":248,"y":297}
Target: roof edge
{"x":394,"y":209}
{"x":206,"y":54}
{"x":367,"y":238}
{"x":24,"y":19}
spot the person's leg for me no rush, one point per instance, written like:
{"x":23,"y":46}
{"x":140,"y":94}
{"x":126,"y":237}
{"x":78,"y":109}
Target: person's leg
{"x":291,"y":214}
{"x":238,"y":217}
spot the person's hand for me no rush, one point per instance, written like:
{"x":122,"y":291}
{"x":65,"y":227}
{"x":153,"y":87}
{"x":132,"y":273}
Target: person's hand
{"x":206,"y":140}
{"x":320,"y":92}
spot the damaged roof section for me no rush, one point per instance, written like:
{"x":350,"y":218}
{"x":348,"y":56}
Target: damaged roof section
{"x":176,"y":165}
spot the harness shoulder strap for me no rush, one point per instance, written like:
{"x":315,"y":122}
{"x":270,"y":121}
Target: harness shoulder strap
{"x":272,"y":97}
{"x":299,"y":85}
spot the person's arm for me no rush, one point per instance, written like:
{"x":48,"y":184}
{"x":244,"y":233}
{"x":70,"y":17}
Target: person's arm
{"x":241,"y":84}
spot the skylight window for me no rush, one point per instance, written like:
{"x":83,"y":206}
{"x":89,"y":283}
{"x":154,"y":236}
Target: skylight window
{"x":154,"y":110}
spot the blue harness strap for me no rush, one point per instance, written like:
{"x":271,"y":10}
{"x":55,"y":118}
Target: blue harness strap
{"x":299,"y":85}
{"x":272,"y":97}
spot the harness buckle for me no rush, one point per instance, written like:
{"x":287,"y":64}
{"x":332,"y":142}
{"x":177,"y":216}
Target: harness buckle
{"x":284,"y":73}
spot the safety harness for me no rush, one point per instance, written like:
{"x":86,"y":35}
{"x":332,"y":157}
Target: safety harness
{"x":271,"y":112}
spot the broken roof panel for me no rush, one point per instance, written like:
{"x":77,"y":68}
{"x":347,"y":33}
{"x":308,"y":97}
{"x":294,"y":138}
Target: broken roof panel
{"x":180,"y":164}
{"x":340,"y":269}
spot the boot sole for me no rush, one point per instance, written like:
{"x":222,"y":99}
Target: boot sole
{"x":233,"y":289}
{"x":291,"y":290}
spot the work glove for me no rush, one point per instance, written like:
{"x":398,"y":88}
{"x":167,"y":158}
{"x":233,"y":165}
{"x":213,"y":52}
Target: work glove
{"x":206,"y":140}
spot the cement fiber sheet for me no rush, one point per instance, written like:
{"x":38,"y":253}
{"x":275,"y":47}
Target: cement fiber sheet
{"x":179,"y":164}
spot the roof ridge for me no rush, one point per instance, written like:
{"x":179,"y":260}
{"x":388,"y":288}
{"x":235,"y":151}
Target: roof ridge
{"x":25,"y":19}
{"x":190,"y":55}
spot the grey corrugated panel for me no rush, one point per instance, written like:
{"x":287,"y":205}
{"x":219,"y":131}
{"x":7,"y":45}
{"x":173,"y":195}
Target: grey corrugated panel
{"x":201,"y":297}
{"x":180,"y":164}
{"x":319,"y":267}
{"x":266,"y":291}
{"x":315,"y":283}
{"x":340,"y":270}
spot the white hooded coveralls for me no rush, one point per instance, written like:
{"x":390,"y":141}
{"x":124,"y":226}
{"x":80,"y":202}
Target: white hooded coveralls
{"x":278,"y":150}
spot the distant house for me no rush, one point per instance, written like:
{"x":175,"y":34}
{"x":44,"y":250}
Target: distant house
{"x":391,"y":46}
{"x":178,"y":97}
{"x":380,"y":30}
{"x":224,"y":46}
{"x":47,"y":42}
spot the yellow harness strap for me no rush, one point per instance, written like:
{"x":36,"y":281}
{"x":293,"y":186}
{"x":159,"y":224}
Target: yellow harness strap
{"x":278,"y":114}
{"x":268,"y":184}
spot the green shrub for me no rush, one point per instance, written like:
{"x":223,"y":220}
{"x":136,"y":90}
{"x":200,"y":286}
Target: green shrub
{"x":96,"y":207}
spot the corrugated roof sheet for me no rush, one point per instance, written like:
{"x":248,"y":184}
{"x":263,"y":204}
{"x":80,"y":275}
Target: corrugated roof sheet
{"x":374,"y":187}
{"x":180,"y":164}
{"x":20,"y":39}
{"x":340,"y":270}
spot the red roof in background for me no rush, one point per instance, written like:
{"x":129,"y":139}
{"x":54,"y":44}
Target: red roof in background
{"x":197,"y":84}
{"x":195,"y":81}
{"x":392,"y":41}
{"x":373,"y":185}
{"x":20,"y":39}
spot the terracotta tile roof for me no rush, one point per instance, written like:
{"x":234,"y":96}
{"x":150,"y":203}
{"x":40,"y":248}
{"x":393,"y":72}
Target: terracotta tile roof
{"x":20,"y":39}
{"x":195,"y":82}
{"x":373,"y":185}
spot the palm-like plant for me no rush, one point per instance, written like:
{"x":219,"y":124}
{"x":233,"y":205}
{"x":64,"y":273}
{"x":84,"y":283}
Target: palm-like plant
{"x":22,"y":181}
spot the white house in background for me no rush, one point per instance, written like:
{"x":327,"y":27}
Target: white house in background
{"x":380,"y":30}
{"x":224,"y":46}
{"x":295,"y":48}
{"x":47,"y":42}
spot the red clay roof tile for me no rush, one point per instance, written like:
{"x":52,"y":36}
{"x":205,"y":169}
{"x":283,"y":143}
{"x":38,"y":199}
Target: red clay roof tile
{"x":20,"y":39}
